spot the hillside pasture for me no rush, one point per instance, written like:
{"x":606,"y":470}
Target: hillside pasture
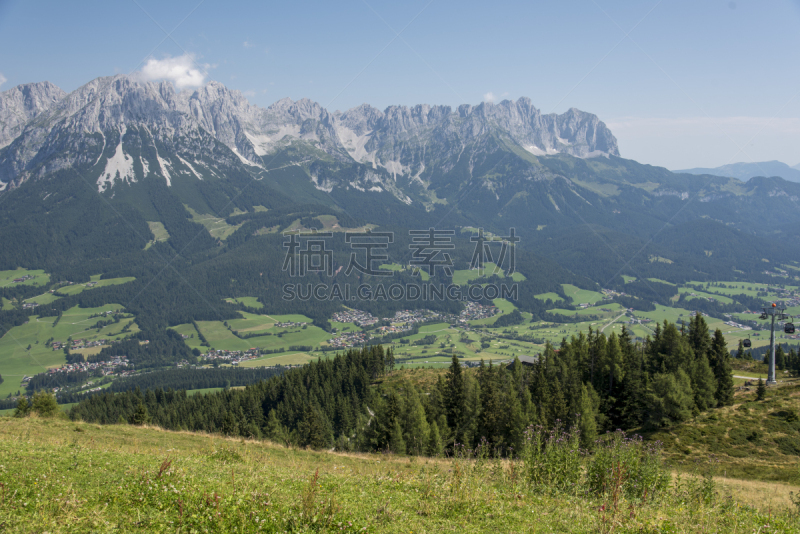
{"x":16,"y":360}
{"x":40,"y":278}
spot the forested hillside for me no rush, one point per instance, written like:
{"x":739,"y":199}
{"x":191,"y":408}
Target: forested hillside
{"x":593,"y":383}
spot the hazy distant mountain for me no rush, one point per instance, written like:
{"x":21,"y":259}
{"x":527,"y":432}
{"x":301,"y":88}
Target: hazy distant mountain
{"x":745,"y":171}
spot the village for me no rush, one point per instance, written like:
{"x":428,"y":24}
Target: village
{"x":233,"y":357}
{"x":357,"y":317}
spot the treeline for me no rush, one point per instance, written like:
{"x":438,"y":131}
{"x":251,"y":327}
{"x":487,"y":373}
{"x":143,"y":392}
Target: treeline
{"x":187,"y":378}
{"x":592,"y":382}
{"x":303,"y":405}
{"x":58,"y":380}
{"x":787,"y":358}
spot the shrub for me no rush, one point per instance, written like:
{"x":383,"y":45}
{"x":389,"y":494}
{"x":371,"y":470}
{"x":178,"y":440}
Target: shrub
{"x":44,"y":404}
{"x":626,"y":464}
{"x":788,"y":446}
{"x":552,"y":459}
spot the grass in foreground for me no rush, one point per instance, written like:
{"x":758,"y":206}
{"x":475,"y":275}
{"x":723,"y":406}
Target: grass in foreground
{"x":59,"y":476}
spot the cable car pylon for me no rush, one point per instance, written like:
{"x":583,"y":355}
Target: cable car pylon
{"x":774,"y":313}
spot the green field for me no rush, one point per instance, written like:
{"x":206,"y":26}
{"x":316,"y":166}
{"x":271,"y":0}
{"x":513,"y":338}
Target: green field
{"x":40,"y":278}
{"x":555,"y":297}
{"x":661,"y":281}
{"x":294,"y":358}
{"x":216,"y":226}
{"x":613,"y":306}
{"x":580,"y":296}
{"x":221,"y":338}
{"x":397,"y":268}
{"x":17,"y":361}
{"x":702,"y":294}
{"x":159,"y":233}
{"x":464,"y":276}
{"x":250,"y":302}
{"x":74,"y":289}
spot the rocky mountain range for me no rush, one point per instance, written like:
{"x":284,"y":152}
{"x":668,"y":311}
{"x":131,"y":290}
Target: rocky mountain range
{"x":44,"y":129}
{"x":487,"y":165}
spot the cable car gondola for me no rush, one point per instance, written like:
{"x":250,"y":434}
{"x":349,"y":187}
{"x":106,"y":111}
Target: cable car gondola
{"x":788,"y":328}
{"x":746,"y":343}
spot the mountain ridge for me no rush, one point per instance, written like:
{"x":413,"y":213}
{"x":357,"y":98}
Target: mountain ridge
{"x":746,"y":170}
{"x":397,"y":139}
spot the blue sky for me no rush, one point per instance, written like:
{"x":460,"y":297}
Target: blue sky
{"x":681,"y":84}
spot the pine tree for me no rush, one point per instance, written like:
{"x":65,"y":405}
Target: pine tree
{"x":455,"y":398}
{"x":613,"y":364}
{"x":414,"y":422}
{"x":274,"y":429}
{"x":699,"y":337}
{"x":780,"y":358}
{"x":740,"y":350}
{"x":670,"y":398}
{"x":587,"y":424}
{"x":44,"y":404}
{"x":396,"y":443}
{"x":23,"y":408}
{"x":141,"y":416}
{"x":722,"y":369}
{"x":761,"y":390}
{"x":435,"y":446}
{"x":515,"y":421}
{"x":704,"y":384}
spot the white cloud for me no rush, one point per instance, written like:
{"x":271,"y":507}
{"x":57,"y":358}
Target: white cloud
{"x":489,"y":97}
{"x":248,"y":44}
{"x":183,"y":71}
{"x":2,"y":79}
{"x":249,"y":93}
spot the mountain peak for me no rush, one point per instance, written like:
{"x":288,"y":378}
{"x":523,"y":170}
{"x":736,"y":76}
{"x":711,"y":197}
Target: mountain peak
{"x":21,"y":104}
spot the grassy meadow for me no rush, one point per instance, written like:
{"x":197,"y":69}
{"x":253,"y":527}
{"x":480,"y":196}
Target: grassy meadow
{"x":61,"y":476}
{"x":40,"y":278}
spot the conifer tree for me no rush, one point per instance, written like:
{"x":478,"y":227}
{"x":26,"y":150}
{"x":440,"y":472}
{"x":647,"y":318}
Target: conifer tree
{"x":23,"y":407}
{"x":515,"y":421}
{"x":44,"y":404}
{"x":141,"y":416}
{"x":613,"y":364}
{"x":434,"y":447}
{"x":670,"y":398}
{"x":761,"y":390}
{"x":587,"y":423}
{"x":415,"y":424}
{"x":699,"y":338}
{"x":455,"y":398}
{"x":704,"y":384}
{"x":780,"y":358}
{"x":274,"y":429}
{"x":722,"y":369}
{"x":740,"y":350}
{"x":396,"y":444}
